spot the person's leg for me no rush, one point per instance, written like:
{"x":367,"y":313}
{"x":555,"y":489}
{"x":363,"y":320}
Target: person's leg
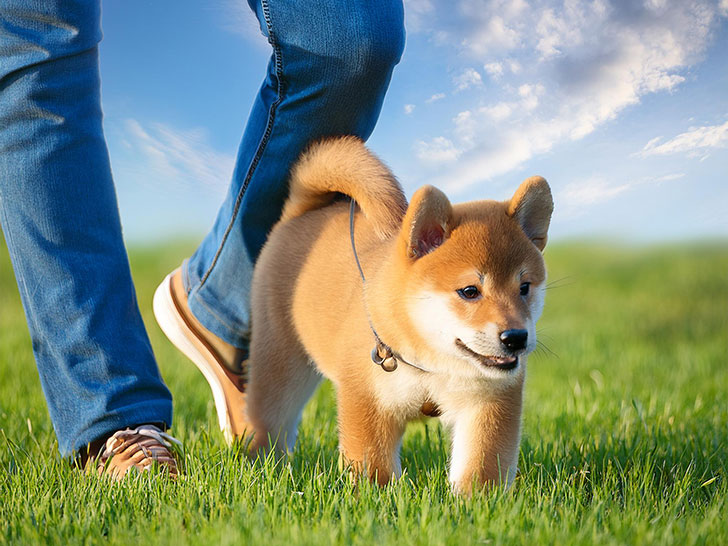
{"x":331,"y":65}
{"x":60,"y":218}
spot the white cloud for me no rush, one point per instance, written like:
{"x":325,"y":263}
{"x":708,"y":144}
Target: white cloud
{"x":564,"y":69}
{"x":465,"y":127}
{"x":236,"y":17}
{"x":554,"y":32}
{"x":169,"y":180}
{"x":497,"y":69}
{"x":438,"y":150}
{"x":588,"y":192}
{"x":497,"y":112}
{"x":466,"y":79}
{"x":514,"y":66}
{"x":530,"y":94}
{"x":490,"y":25}
{"x":409,"y":108}
{"x":166,"y":154}
{"x":668,"y":177}
{"x":497,"y":35}
{"x":697,"y":139}
{"x":576,"y":198}
{"x":436,"y":97}
{"x":417,"y":12}
{"x":494,"y":70}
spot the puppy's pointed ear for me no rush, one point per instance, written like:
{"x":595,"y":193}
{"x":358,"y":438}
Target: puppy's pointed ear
{"x":531,"y":206}
{"x":427,"y":222}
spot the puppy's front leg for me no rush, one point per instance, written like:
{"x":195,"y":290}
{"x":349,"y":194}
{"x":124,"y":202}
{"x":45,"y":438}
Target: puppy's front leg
{"x":369,"y":436}
{"x":485,"y":443}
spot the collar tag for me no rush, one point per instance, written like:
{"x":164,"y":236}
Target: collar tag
{"x":382,"y":356}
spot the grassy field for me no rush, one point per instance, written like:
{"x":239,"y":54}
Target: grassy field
{"x":625,"y":433}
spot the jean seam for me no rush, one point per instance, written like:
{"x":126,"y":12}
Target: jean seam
{"x":264,"y":140}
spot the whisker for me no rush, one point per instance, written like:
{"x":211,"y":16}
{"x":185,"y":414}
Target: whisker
{"x":540,"y":352}
{"x":542,"y":345}
{"x":560,"y":283}
{"x":541,"y":335}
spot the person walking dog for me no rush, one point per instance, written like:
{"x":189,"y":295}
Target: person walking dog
{"x":330,"y":67}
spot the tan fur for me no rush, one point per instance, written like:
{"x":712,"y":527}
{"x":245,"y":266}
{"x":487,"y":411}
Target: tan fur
{"x":339,"y":166}
{"x":311,"y":314}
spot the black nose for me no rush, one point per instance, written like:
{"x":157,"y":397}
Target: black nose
{"x":514,"y":340}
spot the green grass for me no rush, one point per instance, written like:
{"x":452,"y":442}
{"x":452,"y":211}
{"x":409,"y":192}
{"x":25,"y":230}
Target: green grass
{"x":625,"y":433}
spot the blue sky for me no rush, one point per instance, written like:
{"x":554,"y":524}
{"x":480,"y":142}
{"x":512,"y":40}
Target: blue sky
{"x":622,"y":105}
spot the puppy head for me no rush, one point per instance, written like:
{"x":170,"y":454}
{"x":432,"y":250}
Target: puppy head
{"x":474,"y":278}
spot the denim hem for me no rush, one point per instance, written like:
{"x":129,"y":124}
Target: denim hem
{"x":230,"y":334}
{"x":205,"y":313}
{"x":155,"y":411}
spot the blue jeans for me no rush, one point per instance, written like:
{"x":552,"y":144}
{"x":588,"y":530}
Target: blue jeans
{"x":331,"y":64}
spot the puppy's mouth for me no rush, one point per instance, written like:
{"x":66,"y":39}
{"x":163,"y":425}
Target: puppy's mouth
{"x":505,"y":363}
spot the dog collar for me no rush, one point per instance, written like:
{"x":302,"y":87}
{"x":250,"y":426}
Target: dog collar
{"x":382,"y":354}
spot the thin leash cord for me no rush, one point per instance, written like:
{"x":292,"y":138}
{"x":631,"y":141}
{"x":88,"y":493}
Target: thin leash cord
{"x":396,"y":356}
{"x":353,"y":246}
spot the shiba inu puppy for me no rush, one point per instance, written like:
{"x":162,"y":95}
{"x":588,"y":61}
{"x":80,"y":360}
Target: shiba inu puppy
{"x":448,"y":298}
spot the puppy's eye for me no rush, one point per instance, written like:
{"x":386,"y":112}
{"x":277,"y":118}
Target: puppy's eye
{"x":525,"y":287}
{"x":469,"y":292}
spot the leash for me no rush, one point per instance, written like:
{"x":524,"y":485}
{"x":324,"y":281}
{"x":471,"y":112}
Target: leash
{"x":382,"y":354}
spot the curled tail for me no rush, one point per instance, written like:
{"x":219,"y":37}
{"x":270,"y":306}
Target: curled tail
{"x":344,"y":165}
